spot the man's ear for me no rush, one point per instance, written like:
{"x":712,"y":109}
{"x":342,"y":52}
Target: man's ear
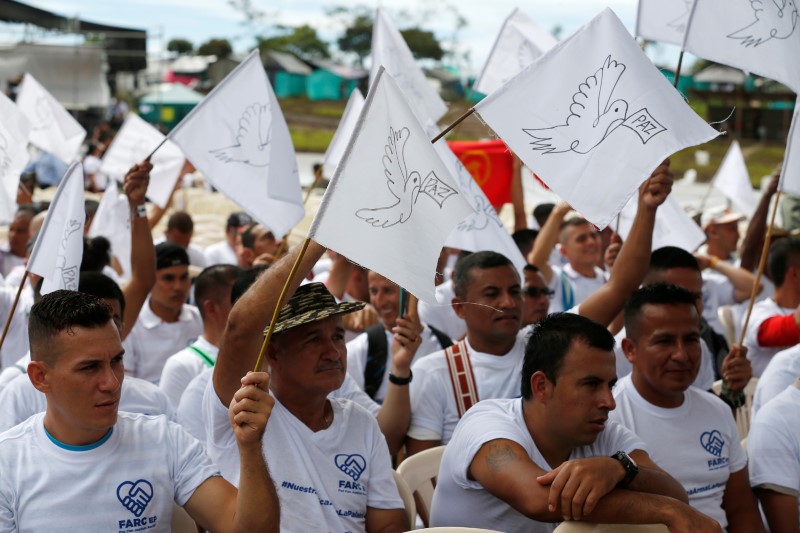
{"x":629,"y":349}
{"x":458,"y":306}
{"x":540,"y":386}
{"x":38,"y":374}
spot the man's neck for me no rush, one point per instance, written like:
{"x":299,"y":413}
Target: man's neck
{"x":69,"y":435}
{"x":489,"y":346}
{"x":167,"y":314}
{"x":785,"y":296}
{"x":718,"y":252}
{"x":313,"y":412}
{"x":665,"y":401}
{"x":212,"y":332}
{"x":552,"y":450}
{"x":587,"y":270}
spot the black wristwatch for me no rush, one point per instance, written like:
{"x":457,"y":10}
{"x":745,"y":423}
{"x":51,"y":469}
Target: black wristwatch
{"x":631,"y":468}
{"x":400,"y":381}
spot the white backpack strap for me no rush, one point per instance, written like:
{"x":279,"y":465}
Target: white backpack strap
{"x":461,"y":377}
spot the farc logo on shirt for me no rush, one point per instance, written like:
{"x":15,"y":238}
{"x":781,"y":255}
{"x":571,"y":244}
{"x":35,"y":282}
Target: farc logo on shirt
{"x":353,"y":465}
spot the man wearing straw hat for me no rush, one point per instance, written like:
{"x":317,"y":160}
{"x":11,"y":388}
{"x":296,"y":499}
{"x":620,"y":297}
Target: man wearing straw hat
{"x":327,"y":455}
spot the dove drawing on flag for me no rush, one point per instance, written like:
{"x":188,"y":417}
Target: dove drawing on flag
{"x":775,"y":19}
{"x":405,"y":186}
{"x":593,"y":116}
{"x":679,"y":23}
{"x":252,"y":138}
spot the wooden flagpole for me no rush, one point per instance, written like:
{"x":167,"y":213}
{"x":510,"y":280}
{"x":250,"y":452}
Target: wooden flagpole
{"x":761,"y":263}
{"x":279,"y":304}
{"x":13,"y":308}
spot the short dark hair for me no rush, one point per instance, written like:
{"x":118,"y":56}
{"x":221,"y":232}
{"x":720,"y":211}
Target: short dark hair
{"x":782,"y":253}
{"x":655,"y":294}
{"x":462,"y":276}
{"x":531,"y":268}
{"x":524,"y":239}
{"x":542,"y":212}
{"x":214,"y":283}
{"x":101,"y":286}
{"x":248,"y":239}
{"x":96,"y":254}
{"x":551,"y":340}
{"x":244,"y":280}
{"x":181,"y":221}
{"x":573,"y":222}
{"x":61,"y":311}
{"x":668,"y":257}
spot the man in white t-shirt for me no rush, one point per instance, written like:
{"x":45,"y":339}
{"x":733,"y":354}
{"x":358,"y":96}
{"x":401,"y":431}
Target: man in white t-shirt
{"x":775,"y":322}
{"x":689,"y":432}
{"x":368,"y":354}
{"x":522,"y":464}
{"x":166,"y":323}
{"x":127,"y":469}
{"x":670,"y":264}
{"x":212,"y":293}
{"x":327,"y":455}
{"x":782,"y":371}
{"x":14,"y":252}
{"x":773,"y":445}
{"x":573,"y":282}
{"x":179,"y":230}
{"x":494,"y":343}
{"x":224,"y":251}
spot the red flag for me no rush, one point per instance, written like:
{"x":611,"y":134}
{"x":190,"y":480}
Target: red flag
{"x":491,"y":165}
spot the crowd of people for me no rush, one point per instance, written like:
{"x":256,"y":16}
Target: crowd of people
{"x":579,"y":388}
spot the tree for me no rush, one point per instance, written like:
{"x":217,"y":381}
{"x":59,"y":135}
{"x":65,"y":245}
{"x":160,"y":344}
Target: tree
{"x":180,"y":46}
{"x":301,"y":41}
{"x":423,"y":44}
{"x":215,"y":47}
{"x":357,"y":38}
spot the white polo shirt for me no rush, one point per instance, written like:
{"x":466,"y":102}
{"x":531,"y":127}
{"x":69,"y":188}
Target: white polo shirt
{"x":184,"y":366}
{"x":782,"y":370}
{"x":581,"y":286}
{"x":760,"y":355}
{"x":152,"y":341}
{"x":357,"y":351}
{"x":220,"y":253}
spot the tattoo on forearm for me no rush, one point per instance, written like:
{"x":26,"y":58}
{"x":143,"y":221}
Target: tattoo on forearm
{"x":500,"y":455}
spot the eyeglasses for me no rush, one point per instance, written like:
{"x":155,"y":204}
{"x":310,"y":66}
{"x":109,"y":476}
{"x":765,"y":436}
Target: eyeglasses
{"x":535,"y":292}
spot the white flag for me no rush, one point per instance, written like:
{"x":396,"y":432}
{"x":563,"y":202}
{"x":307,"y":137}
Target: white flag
{"x":790,"y":175}
{"x":391,"y":202}
{"x":134,"y":141}
{"x":390,"y":50}
{"x":238,"y":138}
{"x":663,"y":20}
{"x":593,"y":117}
{"x":113,"y":221}
{"x":519,"y":43}
{"x":14,"y":131}
{"x":58,"y":250}
{"x":347,"y":125}
{"x":733,"y":180}
{"x":53,"y":129}
{"x":673,"y":226}
{"x":482,"y":230}
{"x":759,"y":36}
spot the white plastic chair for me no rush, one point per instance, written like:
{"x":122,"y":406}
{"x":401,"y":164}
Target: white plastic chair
{"x":407,"y":495}
{"x":419,"y":472}
{"x":583,"y":527}
{"x":744,"y":413}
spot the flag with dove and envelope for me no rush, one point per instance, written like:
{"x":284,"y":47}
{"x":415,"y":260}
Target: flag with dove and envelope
{"x":790,"y":174}
{"x":238,"y":138}
{"x":733,"y":180}
{"x":482,"y":230}
{"x":663,"y":20}
{"x":758,"y":36}
{"x":134,"y":141}
{"x":390,"y":51}
{"x":347,"y":125}
{"x":53,"y":129}
{"x":519,"y":43}
{"x":58,"y":250}
{"x":392,"y":202}
{"x":14,"y":131}
{"x":593,"y":117}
